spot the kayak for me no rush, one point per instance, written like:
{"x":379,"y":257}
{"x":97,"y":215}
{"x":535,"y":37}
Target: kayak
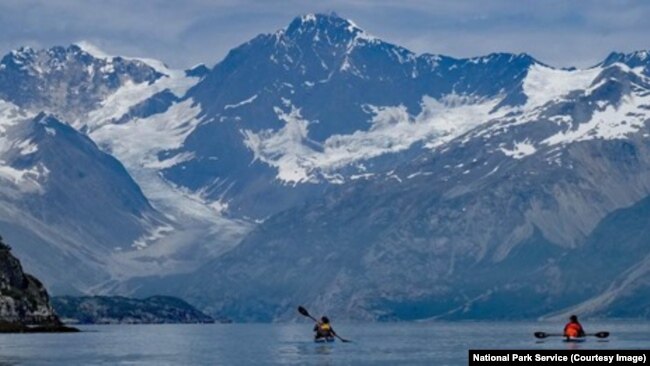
{"x":324,"y":340}
{"x":575,"y":339}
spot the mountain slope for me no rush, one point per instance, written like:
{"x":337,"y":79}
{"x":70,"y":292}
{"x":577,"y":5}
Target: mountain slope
{"x":66,"y":201}
{"x":383,"y":250}
{"x":610,"y":272}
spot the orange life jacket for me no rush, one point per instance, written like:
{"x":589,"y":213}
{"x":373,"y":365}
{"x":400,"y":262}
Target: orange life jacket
{"x":572,"y":330}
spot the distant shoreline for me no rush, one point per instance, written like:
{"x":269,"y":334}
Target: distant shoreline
{"x":123,"y":310}
{"x":22,"y":328}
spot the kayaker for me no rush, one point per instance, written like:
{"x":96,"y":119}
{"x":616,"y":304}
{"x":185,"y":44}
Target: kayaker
{"x":324,"y":329}
{"x":573,"y":329}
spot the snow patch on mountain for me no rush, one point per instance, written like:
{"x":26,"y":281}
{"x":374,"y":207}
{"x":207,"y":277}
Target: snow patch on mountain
{"x":93,"y":50}
{"x":520,"y":149}
{"x":545,"y":84}
{"x":609,"y":119}
{"x":393,"y":129}
{"x":243,"y":102}
{"x":118,"y":104}
{"x":98,"y":53}
{"x":152,"y":236}
{"x":613,"y":122}
{"x":138,"y":142}
{"x":25,"y":180}
{"x":27,"y":147}
{"x":10,"y":115}
{"x":285,"y":149}
{"x":311,"y":21}
{"x":131,"y":93}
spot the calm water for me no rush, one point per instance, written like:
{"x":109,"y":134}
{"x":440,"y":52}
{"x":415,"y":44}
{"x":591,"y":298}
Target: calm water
{"x":264,"y":344}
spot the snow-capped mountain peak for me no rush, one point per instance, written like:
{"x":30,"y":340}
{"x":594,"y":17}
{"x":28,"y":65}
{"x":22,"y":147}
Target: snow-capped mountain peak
{"x":502,"y":58}
{"x":92,"y":50}
{"x":98,"y":53}
{"x":66,"y":81}
{"x":640,"y":58}
{"x":328,"y":26}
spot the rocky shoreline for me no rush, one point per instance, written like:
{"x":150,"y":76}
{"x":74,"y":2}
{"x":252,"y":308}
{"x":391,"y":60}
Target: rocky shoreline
{"x":22,"y":328}
{"x":24,"y":302}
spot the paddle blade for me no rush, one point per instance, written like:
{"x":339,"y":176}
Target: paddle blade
{"x":602,"y":335}
{"x":303,"y":311}
{"x":540,"y":335}
{"x":342,"y":339}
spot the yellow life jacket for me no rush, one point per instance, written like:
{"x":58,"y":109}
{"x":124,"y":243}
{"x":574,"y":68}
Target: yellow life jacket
{"x":325,"y":327}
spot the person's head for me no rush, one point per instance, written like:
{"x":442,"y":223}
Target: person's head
{"x":324,"y":320}
{"x":573,"y":318}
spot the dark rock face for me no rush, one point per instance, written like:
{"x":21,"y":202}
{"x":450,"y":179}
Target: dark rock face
{"x":24,"y":302}
{"x":122,"y":310}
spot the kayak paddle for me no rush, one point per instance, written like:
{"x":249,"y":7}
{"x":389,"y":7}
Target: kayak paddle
{"x":543,"y":335}
{"x":304,"y":312}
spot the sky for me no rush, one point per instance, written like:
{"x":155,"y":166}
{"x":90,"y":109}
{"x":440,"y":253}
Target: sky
{"x":184,"y":33}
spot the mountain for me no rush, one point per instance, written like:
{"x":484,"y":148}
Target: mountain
{"x":323,"y":166}
{"x":317,"y":114}
{"x":122,"y":310}
{"x":66,"y":81}
{"x":65,"y":196}
{"x":476,"y":218}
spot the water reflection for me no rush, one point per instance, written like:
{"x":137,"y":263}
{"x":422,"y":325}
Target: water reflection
{"x":8,"y":362}
{"x":323,"y":349}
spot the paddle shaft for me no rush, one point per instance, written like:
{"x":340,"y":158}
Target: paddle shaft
{"x":597,"y":335}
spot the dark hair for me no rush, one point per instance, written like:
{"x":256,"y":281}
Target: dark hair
{"x":324,"y":320}
{"x":573,"y":318}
